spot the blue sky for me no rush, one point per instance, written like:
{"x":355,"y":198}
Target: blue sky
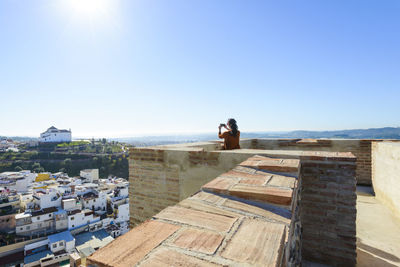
{"x":123,"y":68}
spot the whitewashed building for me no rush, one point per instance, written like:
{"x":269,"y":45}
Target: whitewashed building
{"x":51,"y":251}
{"x":35,"y":222}
{"x":80,"y":218}
{"x":91,"y":175}
{"x":46,"y":198}
{"x":54,"y":135}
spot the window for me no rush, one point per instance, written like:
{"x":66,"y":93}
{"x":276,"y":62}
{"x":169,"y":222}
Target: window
{"x":38,"y":217}
{"x":73,"y":226}
{"x":28,"y":227}
{"x":49,"y":215}
{"x":22,"y":228}
{"x":54,"y":245}
{"x":61,"y":243}
{"x":72,"y":218}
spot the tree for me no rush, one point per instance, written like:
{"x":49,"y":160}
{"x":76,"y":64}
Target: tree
{"x":37,"y":168}
{"x":18,"y":169}
{"x":35,"y":165}
{"x":67,"y":162}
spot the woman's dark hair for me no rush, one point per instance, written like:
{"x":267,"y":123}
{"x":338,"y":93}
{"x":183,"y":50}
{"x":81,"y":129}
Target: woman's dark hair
{"x":234,"y":127}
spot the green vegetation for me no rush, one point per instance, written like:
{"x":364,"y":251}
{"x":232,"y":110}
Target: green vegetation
{"x":73,"y":143}
{"x":108,"y":157}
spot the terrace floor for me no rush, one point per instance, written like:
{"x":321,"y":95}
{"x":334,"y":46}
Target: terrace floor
{"x":378,"y":232}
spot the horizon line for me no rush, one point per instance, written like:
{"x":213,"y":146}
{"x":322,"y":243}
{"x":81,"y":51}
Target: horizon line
{"x":193,"y":133}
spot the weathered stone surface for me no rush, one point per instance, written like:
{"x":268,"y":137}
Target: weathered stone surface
{"x":258,"y":182}
{"x":282,"y":181}
{"x":237,"y":205}
{"x":166,"y":257}
{"x":204,"y":196}
{"x":197,"y":218}
{"x":130,"y":248}
{"x":198,"y":240}
{"x":197,"y":205}
{"x":272,"y":164}
{"x":273,"y":195}
{"x":241,"y":174}
{"x":257,"y":242}
{"x":219,"y":185}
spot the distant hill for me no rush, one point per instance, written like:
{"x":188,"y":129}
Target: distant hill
{"x":20,"y":138}
{"x":373,"y":133}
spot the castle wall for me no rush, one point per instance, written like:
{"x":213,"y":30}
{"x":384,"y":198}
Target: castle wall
{"x":360,"y":148}
{"x":159,"y":178}
{"x":386,"y":174}
{"x":163,"y":176}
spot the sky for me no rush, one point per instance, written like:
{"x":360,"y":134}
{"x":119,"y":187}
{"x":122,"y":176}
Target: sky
{"x":118,"y":68}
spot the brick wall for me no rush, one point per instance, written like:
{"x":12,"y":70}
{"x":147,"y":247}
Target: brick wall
{"x":360,"y":148}
{"x":160,"y":177}
{"x":153,"y":186}
{"x":328,"y":210}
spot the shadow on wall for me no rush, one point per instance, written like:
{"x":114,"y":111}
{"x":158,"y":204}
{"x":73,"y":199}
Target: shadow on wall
{"x":366,"y":256}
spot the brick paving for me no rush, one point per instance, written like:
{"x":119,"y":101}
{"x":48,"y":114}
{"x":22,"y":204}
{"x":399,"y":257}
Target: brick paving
{"x":241,"y":218}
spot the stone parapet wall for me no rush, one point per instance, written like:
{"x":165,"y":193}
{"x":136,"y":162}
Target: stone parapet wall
{"x":361,"y":148}
{"x":328,"y":209}
{"x":161,"y":177}
{"x":386,"y":174}
{"x":266,"y":207}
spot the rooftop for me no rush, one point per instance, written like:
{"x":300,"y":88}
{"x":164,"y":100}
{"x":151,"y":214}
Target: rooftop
{"x":37,"y":256}
{"x":88,"y":242}
{"x":66,"y":235}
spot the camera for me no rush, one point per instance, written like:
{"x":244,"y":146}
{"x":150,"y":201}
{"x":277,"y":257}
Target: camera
{"x":222,"y":125}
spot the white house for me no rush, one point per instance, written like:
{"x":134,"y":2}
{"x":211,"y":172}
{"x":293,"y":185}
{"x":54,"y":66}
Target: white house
{"x":123,"y":212}
{"x":41,"y":221}
{"x":51,"y":251}
{"x":61,"y":241}
{"x":81,"y":217}
{"x":54,"y":135}
{"x":94,"y":200}
{"x":46,"y":198}
{"x":91,"y":175}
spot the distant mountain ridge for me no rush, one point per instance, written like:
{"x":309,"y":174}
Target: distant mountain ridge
{"x":372,"y":133}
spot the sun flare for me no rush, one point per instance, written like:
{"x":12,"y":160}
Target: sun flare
{"x":90,"y":9}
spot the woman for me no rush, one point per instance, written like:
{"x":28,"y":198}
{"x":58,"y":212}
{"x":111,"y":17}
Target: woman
{"x":232,"y":136}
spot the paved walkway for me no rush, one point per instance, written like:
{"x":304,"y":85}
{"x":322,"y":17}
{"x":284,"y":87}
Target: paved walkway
{"x":378,"y":232}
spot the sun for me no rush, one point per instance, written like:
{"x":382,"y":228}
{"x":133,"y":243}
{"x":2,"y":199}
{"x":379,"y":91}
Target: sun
{"x":89,"y":9}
